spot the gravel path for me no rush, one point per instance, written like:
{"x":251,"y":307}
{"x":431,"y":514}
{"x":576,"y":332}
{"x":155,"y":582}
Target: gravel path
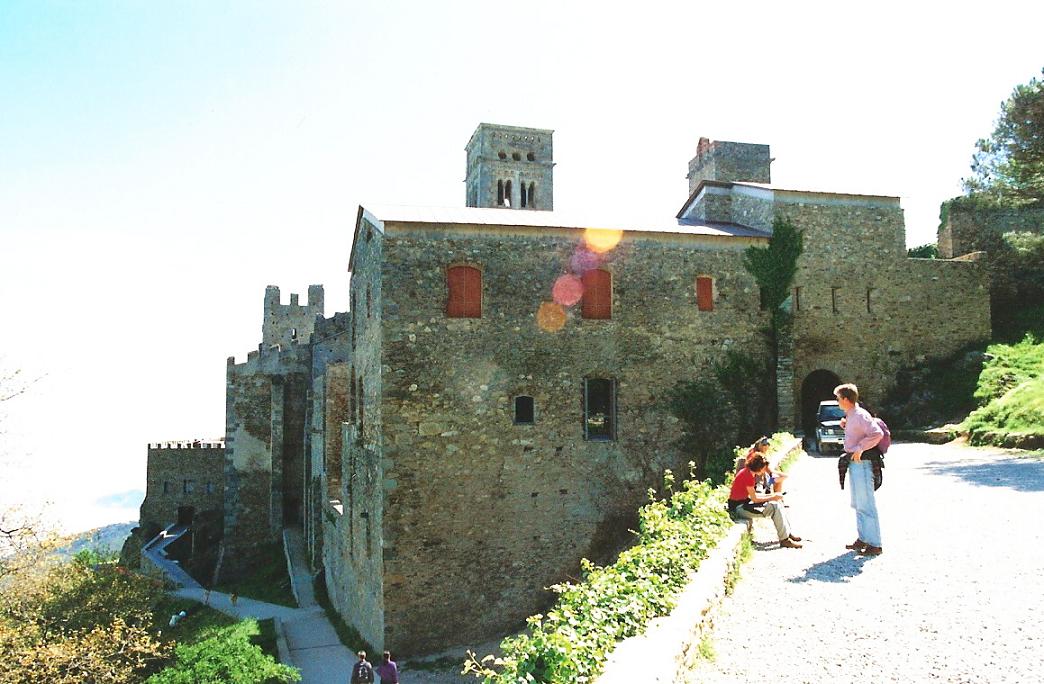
{"x":957,"y":596}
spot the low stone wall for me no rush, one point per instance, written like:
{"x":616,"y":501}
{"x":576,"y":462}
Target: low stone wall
{"x":670,"y":646}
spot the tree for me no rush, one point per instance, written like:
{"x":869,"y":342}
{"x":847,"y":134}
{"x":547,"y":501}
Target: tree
{"x":773,"y":268}
{"x":24,"y":538}
{"x":928,"y":251}
{"x":1009,"y":165}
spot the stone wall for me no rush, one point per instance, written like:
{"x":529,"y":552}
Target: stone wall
{"x":863,"y":309}
{"x":721,"y":160}
{"x":287,"y":324}
{"x":354,"y":553}
{"x":327,"y":409}
{"x":483,"y":514}
{"x":182,"y":474}
{"x":965,"y":227}
{"x":265,"y":407}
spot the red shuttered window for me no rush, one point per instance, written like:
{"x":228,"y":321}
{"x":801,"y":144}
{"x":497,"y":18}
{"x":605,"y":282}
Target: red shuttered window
{"x":465,"y":292}
{"x":705,"y":293}
{"x":598,"y":295}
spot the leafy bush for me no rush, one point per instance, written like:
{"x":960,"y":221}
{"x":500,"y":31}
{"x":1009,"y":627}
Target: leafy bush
{"x":571,"y":642}
{"x":226,"y":657}
{"x":1011,"y":391}
{"x":715,"y":413}
{"x":88,"y":620}
{"x":928,"y":251}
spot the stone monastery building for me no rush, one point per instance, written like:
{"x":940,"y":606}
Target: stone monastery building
{"x":490,"y":410}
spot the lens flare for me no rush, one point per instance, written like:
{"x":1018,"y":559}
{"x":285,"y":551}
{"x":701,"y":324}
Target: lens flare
{"x":583,"y":260}
{"x":567,"y":290}
{"x":551,"y":317}
{"x":601,"y":240}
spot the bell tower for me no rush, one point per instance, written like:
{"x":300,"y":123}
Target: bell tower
{"x":510,"y":167}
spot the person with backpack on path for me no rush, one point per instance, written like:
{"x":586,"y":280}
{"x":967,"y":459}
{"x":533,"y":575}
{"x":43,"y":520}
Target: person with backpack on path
{"x":862,"y":435}
{"x":362,"y":672}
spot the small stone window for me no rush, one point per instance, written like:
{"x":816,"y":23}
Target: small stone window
{"x":166,"y":487}
{"x":524,"y":410}
{"x":293,"y":334}
{"x":597,"y":300}
{"x":367,"y":300}
{"x":532,"y":194}
{"x":530,"y":157}
{"x":464,"y":284}
{"x":516,"y":156}
{"x":210,"y":488}
{"x":835,"y":294}
{"x":502,"y":154}
{"x":869,"y":299}
{"x":705,"y":293}
{"x":797,"y":298}
{"x":188,"y":486}
{"x":599,"y":410}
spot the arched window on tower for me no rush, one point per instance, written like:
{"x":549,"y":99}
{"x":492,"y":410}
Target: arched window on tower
{"x":507,"y":193}
{"x":500,"y":193}
{"x":522,"y":198}
{"x":532,"y":195}
{"x":465,"y":292}
{"x":598,"y":295}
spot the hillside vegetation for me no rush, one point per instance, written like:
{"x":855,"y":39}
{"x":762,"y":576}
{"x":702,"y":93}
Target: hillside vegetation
{"x":1010,"y":394}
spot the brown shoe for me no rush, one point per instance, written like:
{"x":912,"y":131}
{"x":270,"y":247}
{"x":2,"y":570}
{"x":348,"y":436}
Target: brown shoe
{"x":794,"y":537}
{"x":858,"y":545}
{"x":789,"y":544}
{"x":871,"y":550}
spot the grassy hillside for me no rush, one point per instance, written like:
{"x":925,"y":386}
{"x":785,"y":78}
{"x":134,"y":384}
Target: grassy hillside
{"x":1010,"y":393}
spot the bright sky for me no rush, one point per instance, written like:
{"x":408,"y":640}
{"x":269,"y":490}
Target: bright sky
{"x":160,"y":163}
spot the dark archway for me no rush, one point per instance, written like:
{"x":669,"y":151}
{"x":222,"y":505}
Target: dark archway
{"x":818,"y":386}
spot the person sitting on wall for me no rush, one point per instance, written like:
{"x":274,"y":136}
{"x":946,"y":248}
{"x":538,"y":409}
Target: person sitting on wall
{"x":746,"y":503}
{"x":770,"y":480}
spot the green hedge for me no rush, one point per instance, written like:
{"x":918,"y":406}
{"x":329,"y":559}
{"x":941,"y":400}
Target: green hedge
{"x":571,"y":642}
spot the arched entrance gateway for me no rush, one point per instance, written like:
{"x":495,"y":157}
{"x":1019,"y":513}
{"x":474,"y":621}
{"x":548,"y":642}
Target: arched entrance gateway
{"x":817,"y":386}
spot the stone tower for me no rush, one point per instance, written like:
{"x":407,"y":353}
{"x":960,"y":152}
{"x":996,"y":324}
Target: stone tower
{"x":286,"y":324}
{"x":510,"y":167}
{"x":720,"y":160}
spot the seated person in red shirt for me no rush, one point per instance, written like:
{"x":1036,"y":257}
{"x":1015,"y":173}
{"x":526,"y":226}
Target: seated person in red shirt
{"x":746,"y":504}
{"x":769,"y":479}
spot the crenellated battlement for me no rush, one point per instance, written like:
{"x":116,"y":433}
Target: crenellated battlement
{"x":189,"y":444}
{"x":286,"y":324}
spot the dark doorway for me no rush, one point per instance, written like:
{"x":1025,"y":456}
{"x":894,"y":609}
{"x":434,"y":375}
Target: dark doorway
{"x":186,"y":514}
{"x":818,"y":386}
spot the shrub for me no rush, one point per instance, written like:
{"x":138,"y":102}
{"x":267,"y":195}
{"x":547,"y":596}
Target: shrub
{"x":571,"y":642}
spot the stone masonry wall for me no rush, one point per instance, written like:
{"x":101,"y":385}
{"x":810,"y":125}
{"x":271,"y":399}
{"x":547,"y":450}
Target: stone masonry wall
{"x":965,"y":227}
{"x":182,"y":474}
{"x":483,"y":514}
{"x":264,"y":428}
{"x":354,"y":542}
{"x":864,"y":310}
{"x":288,"y":324}
{"x":328,"y":408}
